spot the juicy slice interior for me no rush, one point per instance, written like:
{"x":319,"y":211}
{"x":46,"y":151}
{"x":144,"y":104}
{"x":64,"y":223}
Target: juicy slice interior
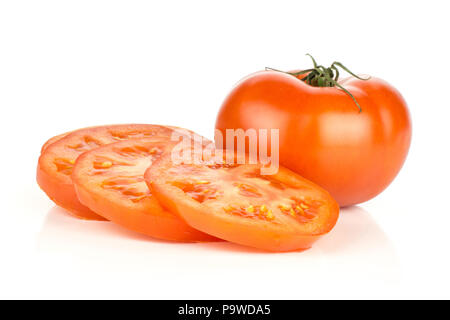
{"x":110,"y":181}
{"x":241,"y":190}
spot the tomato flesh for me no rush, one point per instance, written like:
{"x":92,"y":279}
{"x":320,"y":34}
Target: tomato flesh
{"x":58,"y":159}
{"x":281,"y":212}
{"x":110,"y":181}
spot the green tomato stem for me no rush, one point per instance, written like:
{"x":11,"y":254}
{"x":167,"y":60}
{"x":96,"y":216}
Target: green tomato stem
{"x":319,"y":76}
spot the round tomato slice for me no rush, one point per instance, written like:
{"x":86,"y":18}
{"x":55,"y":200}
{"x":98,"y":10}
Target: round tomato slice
{"x":60,"y":136}
{"x":280,"y":212}
{"x":110,"y":181}
{"x":57,"y":160}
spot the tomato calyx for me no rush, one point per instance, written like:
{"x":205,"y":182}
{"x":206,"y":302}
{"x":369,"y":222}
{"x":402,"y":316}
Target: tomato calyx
{"x":319,"y":76}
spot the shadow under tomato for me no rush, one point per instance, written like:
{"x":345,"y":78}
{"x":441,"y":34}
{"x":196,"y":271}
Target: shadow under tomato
{"x":60,"y":223}
{"x":356,"y":248}
{"x":356,"y":231}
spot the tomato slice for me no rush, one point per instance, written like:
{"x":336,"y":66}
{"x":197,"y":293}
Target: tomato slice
{"x":60,"y":136}
{"x":234,"y":202}
{"x":110,"y":181}
{"x":58,"y":158}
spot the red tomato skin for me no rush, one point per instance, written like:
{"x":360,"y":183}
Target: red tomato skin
{"x":323,"y":137}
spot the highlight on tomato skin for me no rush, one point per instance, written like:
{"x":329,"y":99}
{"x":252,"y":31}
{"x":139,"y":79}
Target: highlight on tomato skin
{"x":281,"y":212}
{"x":110,"y":181}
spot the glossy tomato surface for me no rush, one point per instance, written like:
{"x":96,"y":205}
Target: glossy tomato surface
{"x":110,"y":181}
{"x":235,"y":202}
{"x":323,"y":136}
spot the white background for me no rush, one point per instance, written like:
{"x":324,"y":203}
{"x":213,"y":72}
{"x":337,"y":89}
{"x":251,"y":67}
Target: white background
{"x":71,"y":64}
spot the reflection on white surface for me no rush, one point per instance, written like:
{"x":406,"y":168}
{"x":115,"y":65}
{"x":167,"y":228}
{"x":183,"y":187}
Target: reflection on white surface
{"x":357,"y":248}
{"x":355,"y":232}
{"x":357,"y":245}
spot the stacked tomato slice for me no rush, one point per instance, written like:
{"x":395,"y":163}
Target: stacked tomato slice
{"x":60,"y":153}
{"x":138,"y":184}
{"x":110,"y":181}
{"x":236,"y":202}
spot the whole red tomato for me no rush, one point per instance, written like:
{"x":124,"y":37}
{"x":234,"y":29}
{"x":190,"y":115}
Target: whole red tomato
{"x":351,"y":143}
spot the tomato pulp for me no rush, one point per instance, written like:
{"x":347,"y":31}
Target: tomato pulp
{"x":110,"y":181}
{"x":235,"y":202}
{"x":59,"y":155}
